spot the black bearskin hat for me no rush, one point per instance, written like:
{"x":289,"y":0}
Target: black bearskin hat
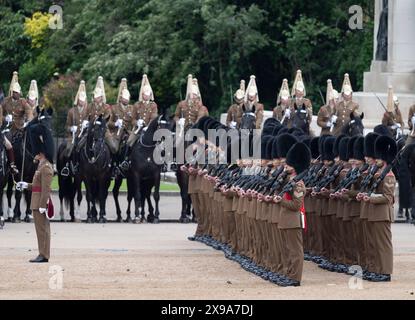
{"x":369,"y":149}
{"x":315,"y":153}
{"x":350,"y":147}
{"x":264,"y":147}
{"x":274,"y":150}
{"x":282,"y":131}
{"x":285,"y":142}
{"x":385,"y":149}
{"x":41,"y":141}
{"x":270,"y":122}
{"x":276,"y":130}
{"x":296,"y":132}
{"x":358,"y":148}
{"x":343,"y":149}
{"x":328,"y":145}
{"x":306,"y":140}
{"x":336,"y":145}
{"x":382,"y":130}
{"x":299,"y":157}
{"x":321,"y":143}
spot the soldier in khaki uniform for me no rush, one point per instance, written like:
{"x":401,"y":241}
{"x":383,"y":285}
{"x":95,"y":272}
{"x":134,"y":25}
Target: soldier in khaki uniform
{"x":411,"y":123}
{"x":344,"y":108}
{"x":235,"y":111}
{"x":299,"y":101}
{"x":77,"y":119}
{"x":16,"y":110}
{"x":121,"y":121}
{"x":189,"y":111}
{"x":99,"y":106}
{"x":292,"y":214}
{"x":380,"y":213}
{"x":326,"y":111}
{"x":251,"y":102}
{"x":42,"y":146}
{"x":144,"y":111}
{"x":282,"y":112}
{"x":393,"y":117}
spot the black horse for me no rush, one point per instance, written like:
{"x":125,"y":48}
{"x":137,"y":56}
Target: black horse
{"x":70,"y":186}
{"x":355,"y":126}
{"x":24,"y":162}
{"x":4,"y":176}
{"x":300,"y":119}
{"x":95,"y":170}
{"x":145,"y":171}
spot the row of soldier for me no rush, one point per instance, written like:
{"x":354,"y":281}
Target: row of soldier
{"x":327,"y":199}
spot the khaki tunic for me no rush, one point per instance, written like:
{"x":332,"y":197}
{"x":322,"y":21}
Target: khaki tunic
{"x":324,"y":116}
{"x":75,"y":117}
{"x":392,"y":118}
{"x":191,"y":111}
{"x":146,"y":111}
{"x":41,"y":189}
{"x":235,"y":113}
{"x":343,"y":111}
{"x":381,"y":203}
{"x":126,"y":115}
{"x":95,"y":110}
{"x":19,"y":109}
{"x":278,"y":113}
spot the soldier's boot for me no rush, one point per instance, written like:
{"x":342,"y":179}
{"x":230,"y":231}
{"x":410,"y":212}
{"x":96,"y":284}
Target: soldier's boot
{"x":10,"y":157}
{"x":125,"y":164}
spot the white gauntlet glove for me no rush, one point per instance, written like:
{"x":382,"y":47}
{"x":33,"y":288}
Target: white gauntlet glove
{"x":20,"y":186}
{"x":182,"y":122}
{"x":42,"y":210}
{"x":413,"y":120}
{"x":118,"y":123}
{"x":333,"y":119}
{"x":233,"y":125}
{"x":140,"y":123}
{"x":329,"y":124}
{"x":74,"y":129}
{"x":287,"y":113}
{"x":9,"y":118}
{"x":85,"y":124}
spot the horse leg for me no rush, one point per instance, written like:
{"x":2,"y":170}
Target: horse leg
{"x":156,"y":196}
{"x":129,"y":199}
{"x":17,"y":212}
{"x":115,"y":193}
{"x":9,"y":193}
{"x":88,"y":201}
{"x":1,"y":209}
{"x":102,"y":198}
{"x":137,"y":198}
{"x":28,"y":213}
{"x":78,"y":191}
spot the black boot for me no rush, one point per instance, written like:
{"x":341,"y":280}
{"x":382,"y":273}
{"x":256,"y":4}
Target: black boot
{"x":10,"y":157}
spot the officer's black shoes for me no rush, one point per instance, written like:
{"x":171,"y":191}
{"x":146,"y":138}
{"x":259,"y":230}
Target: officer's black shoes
{"x":39,"y":259}
{"x":191,"y":238}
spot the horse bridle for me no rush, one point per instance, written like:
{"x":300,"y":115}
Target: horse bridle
{"x":101,"y":150}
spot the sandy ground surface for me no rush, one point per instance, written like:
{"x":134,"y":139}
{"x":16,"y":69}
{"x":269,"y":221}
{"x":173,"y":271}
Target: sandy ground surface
{"x":126,"y":261}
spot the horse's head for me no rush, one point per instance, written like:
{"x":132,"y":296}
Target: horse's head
{"x":44,"y":117}
{"x":248,"y":120}
{"x":96,"y":130}
{"x":355,"y":126}
{"x":300,"y":118}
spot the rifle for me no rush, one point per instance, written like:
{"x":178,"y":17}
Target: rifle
{"x":354,"y":176}
{"x":384,"y":173}
{"x":290,"y":185}
{"x":366,"y":181}
{"x":332,"y":174}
